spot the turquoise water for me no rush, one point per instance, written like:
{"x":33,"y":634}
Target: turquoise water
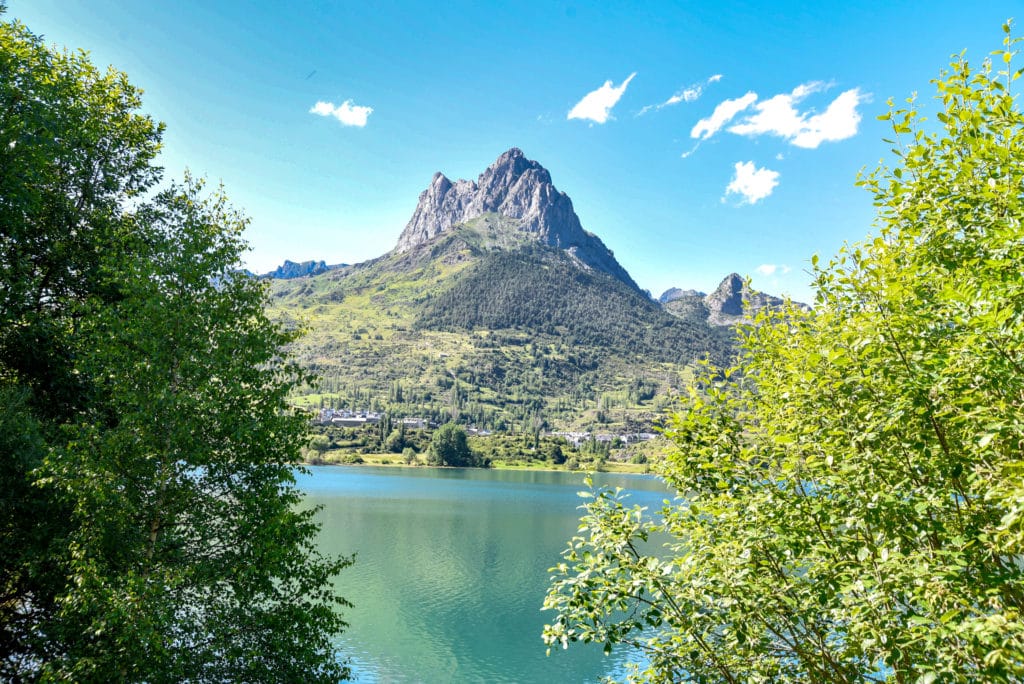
{"x":452,"y":567}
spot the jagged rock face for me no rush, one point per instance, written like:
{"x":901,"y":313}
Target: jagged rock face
{"x":733,"y":302}
{"x":440,"y":206}
{"x":727,"y":299}
{"x":516,"y":187}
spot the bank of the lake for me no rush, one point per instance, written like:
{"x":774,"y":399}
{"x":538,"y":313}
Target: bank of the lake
{"x":372,"y":443}
{"x":452,"y":567}
{"x":390,"y":461}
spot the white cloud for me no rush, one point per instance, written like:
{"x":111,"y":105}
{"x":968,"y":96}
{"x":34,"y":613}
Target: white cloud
{"x":772,"y":269}
{"x":779,"y":116}
{"x":722,"y":115}
{"x":597,"y":104}
{"x":322,"y":108}
{"x":753,"y":183}
{"x":347,"y":113}
{"x":838,"y":122}
{"x":715,"y":79}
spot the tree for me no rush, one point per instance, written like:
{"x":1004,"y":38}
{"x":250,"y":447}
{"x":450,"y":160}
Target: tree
{"x":396,"y":440}
{"x":449,"y":447}
{"x":555,"y":454}
{"x":852,"y":491}
{"x":149,"y":514}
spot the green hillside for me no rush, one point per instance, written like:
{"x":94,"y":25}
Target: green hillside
{"x":488,"y":326}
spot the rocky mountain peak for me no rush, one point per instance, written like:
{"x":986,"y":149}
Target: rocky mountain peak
{"x":727,"y":298}
{"x":518,"y":188}
{"x":440,"y":184}
{"x":508,"y":171}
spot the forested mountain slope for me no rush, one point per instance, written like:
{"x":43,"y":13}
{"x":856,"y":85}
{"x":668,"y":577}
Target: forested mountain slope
{"x":497,"y":308}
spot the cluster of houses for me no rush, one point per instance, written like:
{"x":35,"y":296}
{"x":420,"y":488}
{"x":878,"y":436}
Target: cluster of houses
{"x":354,"y":419}
{"x":351,"y":419}
{"x":578,"y":438}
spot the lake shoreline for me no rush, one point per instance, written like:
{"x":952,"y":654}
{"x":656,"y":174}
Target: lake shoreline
{"x":626,"y":468}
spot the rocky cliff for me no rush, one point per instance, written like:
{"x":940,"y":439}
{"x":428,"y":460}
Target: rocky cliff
{"x":292,"y":269}
{"x":518,"y":188}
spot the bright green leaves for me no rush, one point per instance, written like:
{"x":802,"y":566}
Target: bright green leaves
{"x":854,"y":489}
{"x":605,"y":576}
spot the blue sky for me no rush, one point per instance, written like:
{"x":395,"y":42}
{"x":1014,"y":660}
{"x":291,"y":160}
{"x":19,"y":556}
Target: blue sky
{"x":325,"y":121}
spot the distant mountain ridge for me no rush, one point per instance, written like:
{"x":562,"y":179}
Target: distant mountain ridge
{"x":300,"y":269}
{"x":732,"y":302}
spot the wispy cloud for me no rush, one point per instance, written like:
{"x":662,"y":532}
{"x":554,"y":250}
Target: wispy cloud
{"x":347,"y":113}
{"x":723,"y":114}
{"x":688,"y":94}
{"x":772,"y":269}
{"x":597,"y":105}
{"x":752,"y":183}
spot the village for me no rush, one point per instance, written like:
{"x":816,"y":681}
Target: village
{"x":356,"y":419}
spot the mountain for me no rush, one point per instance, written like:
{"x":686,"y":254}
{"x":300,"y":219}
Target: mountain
{"x":496,"y":307}
{"x":732,"y":302}
{"x":516,"y":188}
{"x":292,"y":269}
{"x":674,"y":293}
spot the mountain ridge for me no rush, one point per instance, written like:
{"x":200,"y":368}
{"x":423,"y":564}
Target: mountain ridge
{"x":515,"y":202}
{"x":499,"y":336}
{"x":731,"y":303}
{"x":299,"y":269}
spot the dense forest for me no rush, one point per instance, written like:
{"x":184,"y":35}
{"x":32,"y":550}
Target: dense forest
{"x":539,"y":289}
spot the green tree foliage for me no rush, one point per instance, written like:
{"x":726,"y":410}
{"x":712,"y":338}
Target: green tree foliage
{"x":148,"y":519}
{"x":852,"y":491}
{"x":395,"y":443}
{"x":555,"y":454}
{"x":449,"y":447}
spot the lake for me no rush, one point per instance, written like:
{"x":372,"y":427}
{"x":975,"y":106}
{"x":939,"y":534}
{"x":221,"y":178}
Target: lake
{"x":452,"y":568}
